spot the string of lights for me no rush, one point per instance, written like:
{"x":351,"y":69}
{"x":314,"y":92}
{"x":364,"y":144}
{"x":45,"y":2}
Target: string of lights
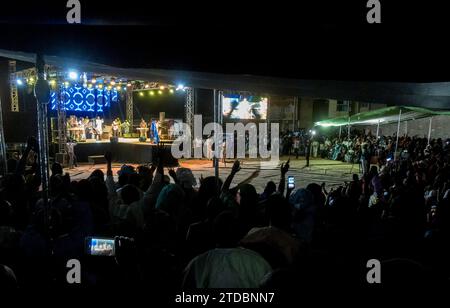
{"x":93,"y":93}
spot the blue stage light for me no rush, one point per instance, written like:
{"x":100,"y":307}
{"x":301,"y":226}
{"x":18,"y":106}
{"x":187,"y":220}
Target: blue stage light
{"x":19,"y":82}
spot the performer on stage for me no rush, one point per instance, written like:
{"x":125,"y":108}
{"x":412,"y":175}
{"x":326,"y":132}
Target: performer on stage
{"x":143,"y":130}
{"x":98,"y":128}
{"x":125,"y":127}
{"x":82,"y":134}
{"x":115,"y":127}
{"x":90,"y":132}
{"x":154,"y":132}
{"x":72,"y":125}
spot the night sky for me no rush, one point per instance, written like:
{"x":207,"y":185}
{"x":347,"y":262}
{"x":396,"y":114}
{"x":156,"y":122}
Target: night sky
{"x":324,"y":40}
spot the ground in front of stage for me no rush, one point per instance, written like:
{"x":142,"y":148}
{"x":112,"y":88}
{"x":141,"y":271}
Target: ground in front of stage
{"x":333,"y":173}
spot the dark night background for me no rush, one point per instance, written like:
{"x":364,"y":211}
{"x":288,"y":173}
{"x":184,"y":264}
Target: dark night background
{"x":326,"y":40}
{"x":316,"y":40}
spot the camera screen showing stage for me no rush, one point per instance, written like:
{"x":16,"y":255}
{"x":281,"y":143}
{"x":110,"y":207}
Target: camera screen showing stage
{"x":244,"y":108}
{"x":102,"y":247}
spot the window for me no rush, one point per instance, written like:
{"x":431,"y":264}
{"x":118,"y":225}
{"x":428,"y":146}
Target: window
{"x":364,"y":105}
{"x":342,"y":106}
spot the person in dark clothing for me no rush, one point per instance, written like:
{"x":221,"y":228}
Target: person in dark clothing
{"x":307,"y":151}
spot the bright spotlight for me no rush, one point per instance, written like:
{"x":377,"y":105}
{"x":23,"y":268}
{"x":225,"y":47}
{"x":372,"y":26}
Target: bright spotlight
{"x":152,"y":93}
{"x":129,"y":84}
{"x":113,"y":82}
{"x":141,"y":94}
{"x":124,"y":88}
{"x":160,"y":92}
{"x":180,"y":87}
{"x":313,"y":132}
{"x":171,"y":91}
{"x":73,"y":75}
{"x":161,"y":88}
{"x":100,"y":86}
{"x":118,"y":88}
{"x":146,"y":86}
{"x":19,"y":82}
{"x":94,"y":80}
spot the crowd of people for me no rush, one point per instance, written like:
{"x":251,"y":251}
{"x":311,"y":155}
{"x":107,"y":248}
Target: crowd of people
{"x":174,"y":233}
{"x":359,"y":148}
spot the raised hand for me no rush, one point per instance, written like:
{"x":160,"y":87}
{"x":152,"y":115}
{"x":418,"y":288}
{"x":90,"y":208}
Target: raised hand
{"x":284,"y":168}
{"x":255,"y":174}
{"x":236,"y":166}
{"x":173,"y":174}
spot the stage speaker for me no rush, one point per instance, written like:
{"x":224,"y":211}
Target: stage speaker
{"x":114,"y":139}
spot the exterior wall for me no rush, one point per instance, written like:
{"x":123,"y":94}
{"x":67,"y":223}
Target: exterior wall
{"x":332,"y":105}
{"x":306,"y":112}
{"x":282,"y":111}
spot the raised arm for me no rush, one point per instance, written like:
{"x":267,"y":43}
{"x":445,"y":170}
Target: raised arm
{"x":247,"y":180}
{"x":31,"y":145}
{"x":283,"y":170}
{"x":235,"y":169}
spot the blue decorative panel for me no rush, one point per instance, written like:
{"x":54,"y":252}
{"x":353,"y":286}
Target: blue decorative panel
{"x":81,"y":99}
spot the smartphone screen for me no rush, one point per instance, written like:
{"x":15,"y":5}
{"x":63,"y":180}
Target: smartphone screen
{"x":100,"y":246}
{"x":291,"y":182}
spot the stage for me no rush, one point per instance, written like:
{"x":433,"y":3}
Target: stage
{"x":126,"y":150}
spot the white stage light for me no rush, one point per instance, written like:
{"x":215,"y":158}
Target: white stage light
{"x":73,"y":75}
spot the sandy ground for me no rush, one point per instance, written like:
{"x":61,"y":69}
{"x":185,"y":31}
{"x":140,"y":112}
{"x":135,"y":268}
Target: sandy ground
{"x":321,"y":170}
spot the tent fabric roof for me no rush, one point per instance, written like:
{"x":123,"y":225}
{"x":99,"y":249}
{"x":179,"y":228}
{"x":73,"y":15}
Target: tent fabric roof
{"x":383,"y":116}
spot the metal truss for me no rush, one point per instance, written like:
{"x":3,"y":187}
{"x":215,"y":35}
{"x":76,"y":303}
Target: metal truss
{"x":62,"y":121}
{"x":129,"y":106}
{"x":13,"y":87}
{"x":189,"y":107}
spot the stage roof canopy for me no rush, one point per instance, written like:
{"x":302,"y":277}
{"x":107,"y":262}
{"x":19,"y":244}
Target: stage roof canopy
{"x":383,"y":116}
{"x":424,"y":94}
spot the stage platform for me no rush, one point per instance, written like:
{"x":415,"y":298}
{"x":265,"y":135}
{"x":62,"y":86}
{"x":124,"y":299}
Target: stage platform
{"x":126,"y":150}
